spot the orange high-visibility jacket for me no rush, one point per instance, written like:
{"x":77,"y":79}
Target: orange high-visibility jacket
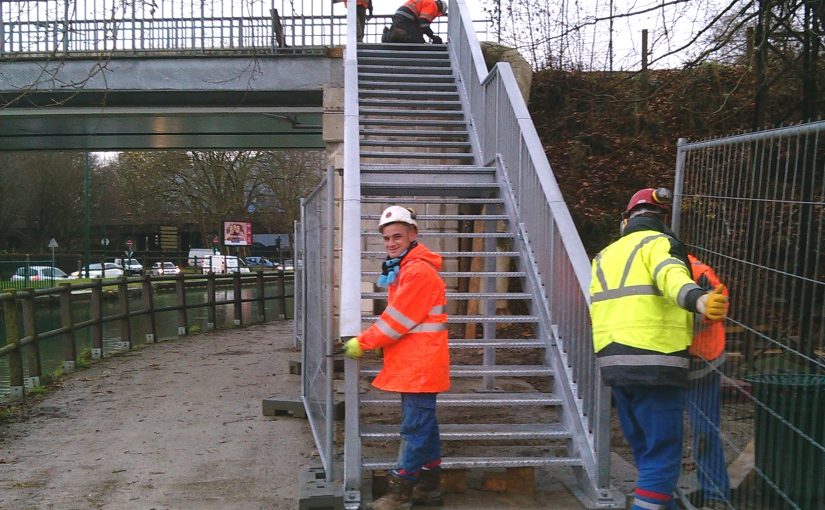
{"x":425,"y":11}
{"x":708,"y":336}
{"x":413,"y":328}
{"x":362,"y":3}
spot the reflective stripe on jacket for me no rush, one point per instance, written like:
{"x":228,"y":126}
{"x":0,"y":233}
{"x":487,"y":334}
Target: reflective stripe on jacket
{"x":708,"y":336}
{"x":638,"y":298}
{"x":413,"y":328}
{"x":421,"y":11}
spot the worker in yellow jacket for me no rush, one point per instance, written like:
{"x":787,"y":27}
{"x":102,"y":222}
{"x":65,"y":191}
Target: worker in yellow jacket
{"x":642,"y":299}
{"x":412,"y":331}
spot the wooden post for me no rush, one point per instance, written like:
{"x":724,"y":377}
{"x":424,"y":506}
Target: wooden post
{"x":211,"y":312}
{"x":180,"y":289}
{"x":123,"y":302}
{"x":13,"y":338}
{"x":282,"y":294}
{"x":149,"y":307}
{"x":32,"y":360}
{"x":236,"y":298}
{"x":259,"y":282}
{"x":96,"y":313}
{"x":66,"y":322}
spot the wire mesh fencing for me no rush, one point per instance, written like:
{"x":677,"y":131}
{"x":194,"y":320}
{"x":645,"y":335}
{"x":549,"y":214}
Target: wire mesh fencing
{"x":316,"y":269}
{"x":752,"y":208}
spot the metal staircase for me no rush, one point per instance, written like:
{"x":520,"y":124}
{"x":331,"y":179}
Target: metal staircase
{"x":416,"y":151}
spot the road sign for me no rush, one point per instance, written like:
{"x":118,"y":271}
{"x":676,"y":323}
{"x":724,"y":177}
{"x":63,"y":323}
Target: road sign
{"x":53,"y":243}
{"x":104,"y":241}
{"x":129,"y":244}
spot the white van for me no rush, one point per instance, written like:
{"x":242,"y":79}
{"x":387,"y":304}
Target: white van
{"x":197,"y":256}
{"x":223,"y":264}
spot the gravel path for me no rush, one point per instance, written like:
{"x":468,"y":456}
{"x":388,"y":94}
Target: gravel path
{"x":176,"y":425}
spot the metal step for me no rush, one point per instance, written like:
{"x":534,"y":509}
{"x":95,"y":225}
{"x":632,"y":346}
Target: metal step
{"x":459,"y":133}
{"x":426,"y":169}
{"x":403,"y":63}
{"x":364,"y":53}
{"x":482,"y":462}
{"x":462,"y":296}
{"x":413,"y":47}
{"x":480,"y":371}
{"x":408,"y":94}
{"x":432,"y":200}
{"x":410,"y":113}
{"x":411,"y":122}
{"x":415,"y":143}
{"x":492,"y":399}
{"x":432,"y":70}
{"x":377,"y":84}
{"x":450,"y":217}
{"x":453,"y":254}
{"x":471,"y":319}
{"x":417,"y":155}
{"x":474,"y":190}
{"x":365,"y":103}
{"x":406,"y":78}
{"x":467,"y":235}
{"x":498,"y":343}
{"x":477,"y":431}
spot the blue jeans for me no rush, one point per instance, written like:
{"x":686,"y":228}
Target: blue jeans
{"x":703,"y":412}
{"x":652,"y":418}
{"x":420,"y":440}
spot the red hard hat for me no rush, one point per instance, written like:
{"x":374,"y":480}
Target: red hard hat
{"x":656,"y":197}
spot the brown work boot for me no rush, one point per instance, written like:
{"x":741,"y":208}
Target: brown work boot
{"x":427,"y":491}
{"x":397,"y":496}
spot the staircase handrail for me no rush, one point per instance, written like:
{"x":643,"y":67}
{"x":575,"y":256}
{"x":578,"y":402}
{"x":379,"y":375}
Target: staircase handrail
{"x":506,"y":134}
{"x":350,"y":297}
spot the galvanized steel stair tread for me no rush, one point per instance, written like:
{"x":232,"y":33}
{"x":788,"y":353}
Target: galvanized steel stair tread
{"x":418,"y":155}
{"x":407,"y":46}
{"x":455,"y":254}
{"x":499,"y":343}
{"x":364,"y":53}
{"x":491,"y":399}
{"x":468,"y":235}
{"x":410,"y":94}
{"x":469,"y":319}
{"x":467,"y":274}
{"x":405,"y":103}
{"x":477,"y":431}
{"x":482,"y":462}
{"x":444,"y":85}
{"x":416,"y":143}
{"x":399,"y":63}
{"x":481,"y":370}
{"x":414,"y":132}
{"x":408,"y":78}
{"x":449,"y":217}
{"x":462,"y":295}
{"x":412,"y":122}
{"x":407,"y":168}
{"x":411,"y":112}
{"x":433,"y":70}
{"x":432,"y":200}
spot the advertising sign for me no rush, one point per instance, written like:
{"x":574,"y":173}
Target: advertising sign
{"x":237,"y":233}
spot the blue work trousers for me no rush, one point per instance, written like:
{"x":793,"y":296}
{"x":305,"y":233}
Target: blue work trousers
{"x":420,"y":440}
{"x":703,"y":412}
{"x":652,"y":418}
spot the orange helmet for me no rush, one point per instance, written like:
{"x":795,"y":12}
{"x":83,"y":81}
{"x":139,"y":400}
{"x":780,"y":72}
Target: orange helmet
{"x":659,"y":197}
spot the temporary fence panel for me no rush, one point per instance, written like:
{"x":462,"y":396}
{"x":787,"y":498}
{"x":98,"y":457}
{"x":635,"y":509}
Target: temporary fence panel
{"x":317,"y":240}
{"x":752,"y":207}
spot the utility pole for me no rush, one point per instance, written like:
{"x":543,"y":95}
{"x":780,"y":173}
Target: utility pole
{"x":87,"y":213}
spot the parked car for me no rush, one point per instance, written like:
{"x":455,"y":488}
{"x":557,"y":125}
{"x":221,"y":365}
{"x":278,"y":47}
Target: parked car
{"x":260,"y":262}
{"x":107,"y":270}
{"x":130,"y":266}
{"x":288,"y":265}
{"x":164,"y":268}
{"x":38,"y":273}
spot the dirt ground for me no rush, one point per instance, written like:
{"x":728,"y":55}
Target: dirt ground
{"x":176,"y":425}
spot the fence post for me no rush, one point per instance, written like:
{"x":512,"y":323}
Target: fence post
{"x":180,"y":289}
{"x":211,"y":312}
{"x":67,"y":324}
{"x":13,"y":338}
{"x":123,"y":301}
{"x":149,"y":308}
{"x":33,"y":363}
{"x":96,"y":313}
{"x":282,"y":294}
{"x":236,"y":298}
{"x":259,"y":281}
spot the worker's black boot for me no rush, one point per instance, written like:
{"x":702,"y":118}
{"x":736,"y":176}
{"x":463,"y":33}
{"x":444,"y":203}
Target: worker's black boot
{"x":427,"y":491}
{"x":397,"y":496}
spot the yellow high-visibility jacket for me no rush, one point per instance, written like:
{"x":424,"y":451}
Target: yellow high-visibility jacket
{"x":641,"y":299}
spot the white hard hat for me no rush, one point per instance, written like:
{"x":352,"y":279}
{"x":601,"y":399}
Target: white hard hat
{"x":397,"y":214}
{"x":442,"y":4}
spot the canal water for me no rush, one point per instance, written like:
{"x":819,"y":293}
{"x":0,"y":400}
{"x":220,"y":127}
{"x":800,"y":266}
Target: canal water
{"x":48,"y":318}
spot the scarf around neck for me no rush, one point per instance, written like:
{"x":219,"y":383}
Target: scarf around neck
{"x":391,"y":267}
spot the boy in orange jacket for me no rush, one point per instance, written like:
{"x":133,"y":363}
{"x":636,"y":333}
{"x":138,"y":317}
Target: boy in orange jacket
{"x":412,"y":331}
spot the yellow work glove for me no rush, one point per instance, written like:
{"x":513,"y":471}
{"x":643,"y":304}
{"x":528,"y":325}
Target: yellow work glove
{"x":713,"y":305}
{"x":352,"y":349}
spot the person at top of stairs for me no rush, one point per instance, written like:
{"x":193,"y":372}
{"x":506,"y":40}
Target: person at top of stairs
{"x":641,"y":299}
{"x":412,"y":21}
{"x":412,"y":330}
{"x":361,"y":8}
